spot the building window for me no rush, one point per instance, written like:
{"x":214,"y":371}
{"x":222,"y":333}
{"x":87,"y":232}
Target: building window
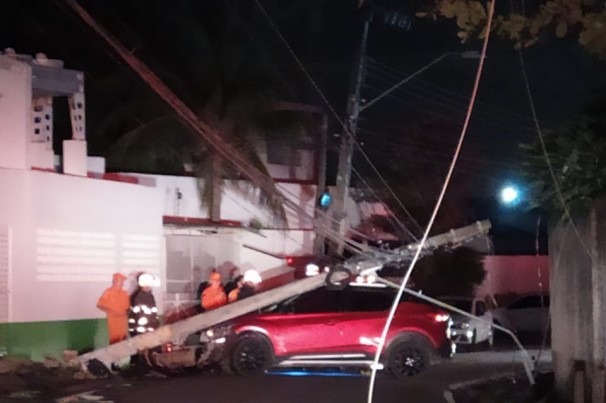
{"x":279,"y":153}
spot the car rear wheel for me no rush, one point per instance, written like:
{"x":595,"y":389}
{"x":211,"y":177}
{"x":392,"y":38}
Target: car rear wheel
{"x":251,"y":355}
{"x":407,"y":359}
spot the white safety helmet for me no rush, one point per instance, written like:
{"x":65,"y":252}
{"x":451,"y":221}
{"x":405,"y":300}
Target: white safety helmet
{"x":252,"y":276}
{"x":148,"y":280}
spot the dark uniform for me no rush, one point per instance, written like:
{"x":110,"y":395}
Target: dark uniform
{"x":143,"y":316}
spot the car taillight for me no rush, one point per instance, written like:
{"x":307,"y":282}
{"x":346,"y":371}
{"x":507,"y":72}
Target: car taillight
{"x":168,"y":348}
{"x":441,"y":317}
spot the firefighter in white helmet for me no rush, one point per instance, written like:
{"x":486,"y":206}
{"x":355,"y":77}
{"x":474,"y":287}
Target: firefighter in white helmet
{"x":143,"y":315}
{"x":246,"y":286}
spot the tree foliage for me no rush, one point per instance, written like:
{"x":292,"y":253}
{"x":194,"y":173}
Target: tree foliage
{"x":212,"y":60}
{"x":450,"y":272}
{"x":584,"y":19}
{"x":576,"y":152}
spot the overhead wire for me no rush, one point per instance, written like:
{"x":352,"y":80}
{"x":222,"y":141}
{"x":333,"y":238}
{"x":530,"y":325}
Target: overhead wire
{"x":395,"y":147}
{"x":65,"y":52}
{"x":202,"y":129}
{"x":423,"y":83}
{"x":324,"y":99}
{"x":187,"y":115}
{"x":541,"y":137}
{"x":391,"y":215}
{"x":437,"y":206}
{"x":451,"y":104}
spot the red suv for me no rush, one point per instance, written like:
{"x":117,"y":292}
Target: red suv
{"x":338,"y":328}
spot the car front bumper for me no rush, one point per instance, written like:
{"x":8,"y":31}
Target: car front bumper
{"x":461,"y":335}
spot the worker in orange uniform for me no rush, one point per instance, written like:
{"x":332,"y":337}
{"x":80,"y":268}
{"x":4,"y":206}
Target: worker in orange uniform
{"x":213,"y":296}
{"x":115,"y":303}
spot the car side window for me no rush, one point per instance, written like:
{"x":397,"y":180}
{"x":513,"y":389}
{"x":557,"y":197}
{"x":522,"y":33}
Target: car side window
{"x":368,"y":301}
{"x":317,"y":301}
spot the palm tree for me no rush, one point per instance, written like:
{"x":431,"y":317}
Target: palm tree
{"x":225,"y":76}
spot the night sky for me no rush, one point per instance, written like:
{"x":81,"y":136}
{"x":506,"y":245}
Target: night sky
{"x":417,"y":124}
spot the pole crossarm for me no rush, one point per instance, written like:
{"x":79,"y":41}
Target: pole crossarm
{"x":375,"y":258}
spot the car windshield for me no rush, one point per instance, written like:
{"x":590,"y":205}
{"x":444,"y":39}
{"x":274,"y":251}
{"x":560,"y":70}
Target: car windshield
{"x":462,"y":304}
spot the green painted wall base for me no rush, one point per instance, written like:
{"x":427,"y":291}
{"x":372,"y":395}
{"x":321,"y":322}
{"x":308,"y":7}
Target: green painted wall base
{"x":37,"y":340}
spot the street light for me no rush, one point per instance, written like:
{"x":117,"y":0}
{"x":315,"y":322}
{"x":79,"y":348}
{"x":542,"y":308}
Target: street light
{"x":509,"y":195}
{"x":465,"y":55}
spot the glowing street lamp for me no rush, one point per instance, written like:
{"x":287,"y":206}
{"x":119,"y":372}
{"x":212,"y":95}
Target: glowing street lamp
{"x":510,"y":195}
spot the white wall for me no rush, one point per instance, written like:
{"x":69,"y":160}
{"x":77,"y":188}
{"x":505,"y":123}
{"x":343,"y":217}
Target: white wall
{"x":15,"y":112}
{"x":69,"y":235}
{"x":239,"y":203}
{"x":520,"y":274}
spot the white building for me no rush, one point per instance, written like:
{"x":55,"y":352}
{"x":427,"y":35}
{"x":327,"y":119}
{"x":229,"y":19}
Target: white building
{"x":66,"y":225}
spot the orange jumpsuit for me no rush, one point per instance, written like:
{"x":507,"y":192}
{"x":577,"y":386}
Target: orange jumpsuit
{"x":118,"y":304}
{"x":213,"y":297}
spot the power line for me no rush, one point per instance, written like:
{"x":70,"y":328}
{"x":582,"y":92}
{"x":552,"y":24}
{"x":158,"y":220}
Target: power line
{"x":546,"y":154}
{"x":321,"y":94}
{"x":397,"y":74}
{"x":450,"y":103}
{"x":436,"y":208}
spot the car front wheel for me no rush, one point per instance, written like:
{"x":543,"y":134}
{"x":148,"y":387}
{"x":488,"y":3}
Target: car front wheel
{"x":250,"y":355}
{"x":407,"y":359}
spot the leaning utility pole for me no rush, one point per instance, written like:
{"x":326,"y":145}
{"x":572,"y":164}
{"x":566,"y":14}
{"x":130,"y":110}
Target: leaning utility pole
{"x":348,"y":139}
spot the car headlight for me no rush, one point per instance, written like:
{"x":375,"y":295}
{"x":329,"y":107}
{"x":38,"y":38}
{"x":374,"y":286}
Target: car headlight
{"x":216,"y":332}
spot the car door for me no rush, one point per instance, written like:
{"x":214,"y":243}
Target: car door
{"x":310,"y":325}
{"x":363,"y":316}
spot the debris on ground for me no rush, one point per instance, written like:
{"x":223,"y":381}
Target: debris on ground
{"x":25,"y":379}
{"x":10,"y":365}
{"x":24,"y":394}
{"x":508,"y":389}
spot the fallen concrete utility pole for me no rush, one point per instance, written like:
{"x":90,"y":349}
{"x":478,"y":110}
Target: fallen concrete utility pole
{"x":178,"y":331}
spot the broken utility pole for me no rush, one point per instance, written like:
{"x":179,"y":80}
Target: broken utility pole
{"x":178,"y":331}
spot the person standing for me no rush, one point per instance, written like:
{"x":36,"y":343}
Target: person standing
{"x":232,"y":282}
{"x":115,"y":303}
{"x":246,"y":286}
{"x":235,"y":291}
{"x":143,"y":315}
{"x":213,"y":296}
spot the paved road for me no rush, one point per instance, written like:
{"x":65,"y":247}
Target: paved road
{"x":426,"y":388}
